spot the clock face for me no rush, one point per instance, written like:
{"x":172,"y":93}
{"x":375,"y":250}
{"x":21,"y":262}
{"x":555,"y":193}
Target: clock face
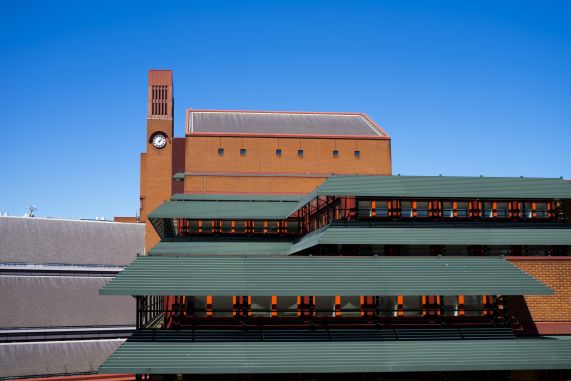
{"x":159,"y":141}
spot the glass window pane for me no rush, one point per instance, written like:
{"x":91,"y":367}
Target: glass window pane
{"x":388,"y":306}
{"x":412,"y":305}
{"x":222,"y":306}
{"x":325,"y":306}
{"x":196,"y":306}
{"x":287,"y":306}
{"x":450,"y":306}
{"x":447,"y":209}
{"x":350,"y":306}
{"x":422,"y":209}
{"x":261,"y":306}
{"x":406,"y":209}
{"x":473,"y":305}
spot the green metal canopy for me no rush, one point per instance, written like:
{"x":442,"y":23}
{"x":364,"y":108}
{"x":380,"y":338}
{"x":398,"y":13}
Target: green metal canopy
{"x":322,"y":276}
{"x":338,"y":357}
{"x":394,"y":235}
{"x":443,"y":187}
{"x":220,"y":209}
{"x":221,"y":248}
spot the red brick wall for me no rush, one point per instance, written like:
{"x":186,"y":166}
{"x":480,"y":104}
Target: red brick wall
{"x":555,"y":272}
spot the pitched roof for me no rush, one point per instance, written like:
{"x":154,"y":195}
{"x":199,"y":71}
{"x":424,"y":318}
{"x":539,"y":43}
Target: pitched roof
{"x":276,"y":123}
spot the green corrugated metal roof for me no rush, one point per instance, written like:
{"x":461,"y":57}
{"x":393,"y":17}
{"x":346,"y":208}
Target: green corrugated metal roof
{"x":443,"y":187}
{"x":235,"y":197}
{"x":338,"y":357}
{"x":270,"y":210}
{"x":220,"y":247}
{"x":435,"y":236}
{"x":346,"y":276}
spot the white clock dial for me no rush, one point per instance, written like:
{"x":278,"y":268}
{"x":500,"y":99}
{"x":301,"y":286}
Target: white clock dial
{"x":159,"y":141}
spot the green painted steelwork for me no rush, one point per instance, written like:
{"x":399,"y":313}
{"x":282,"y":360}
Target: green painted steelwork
{"x":322,"y":276}
{"x":338,"y":357}
{"x":434,"y":236}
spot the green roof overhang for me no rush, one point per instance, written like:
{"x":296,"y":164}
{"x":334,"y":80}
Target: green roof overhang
{"x":221,"y":209}
{"x":434,"y":236}
{"x":338,"y":357}
{"x":321,"y":276}
{"x":220,"y":248}
{"x":453,"y":187}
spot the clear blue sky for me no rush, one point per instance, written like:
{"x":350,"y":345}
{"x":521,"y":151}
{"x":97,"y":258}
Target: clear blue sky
{"x":463,"y":87}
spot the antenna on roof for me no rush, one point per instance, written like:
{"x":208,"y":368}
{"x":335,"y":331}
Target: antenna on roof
{"x":30,"y":211}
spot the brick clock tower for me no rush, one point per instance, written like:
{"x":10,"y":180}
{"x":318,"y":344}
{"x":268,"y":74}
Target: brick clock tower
{"x":157,"y":161}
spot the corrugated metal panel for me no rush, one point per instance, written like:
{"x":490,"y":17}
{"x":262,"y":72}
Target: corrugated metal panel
{"x":271,"y":210}
{"x":60,"y":301}
{"x":435,"y":236}
{"x":69,"y":241}
{"x":221,"y":248}
{"x":346,"y":276}
{"x":339,"y":357}
{"x":234,"y":197}
{"x":443,"y":187}
{"x":53,"y":358}
{"x":281,"y":123}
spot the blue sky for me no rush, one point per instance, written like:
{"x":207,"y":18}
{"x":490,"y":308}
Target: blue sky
{"x":462,"y":87}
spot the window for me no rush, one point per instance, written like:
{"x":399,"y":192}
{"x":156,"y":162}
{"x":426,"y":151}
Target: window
{"x":335,"y":153}
{"x":220,"y":151}
{"x":541,"y":210}
{"x":447,"y":209}
{"x":382,"y":208}
{"x":299,"y":153}
{"x":462,"y":209}
{"x":406,"y":209}
{"x":387,"y":305}
{"x":357,"y":154}
{"x":502,"y":209}
{"x":325,"y":306}
{"x":364,"y":208}
{"x":350,"y":306}
{"x":488,"y":210}
{"x":422,"y":209}
{"x":261,"y":306}
{"x":287,"y":306}
{"x":222,"y":306}
{"x":242,"y":151}
{"x":278,"y":152}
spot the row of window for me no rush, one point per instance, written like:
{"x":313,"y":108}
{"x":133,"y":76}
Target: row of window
{"x":185,"y":227}
{"x":279,"y":152}
{"x":334,"y":306}
{"x":455,"y":209}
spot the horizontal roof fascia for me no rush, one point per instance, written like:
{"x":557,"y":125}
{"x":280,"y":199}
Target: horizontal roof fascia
{"x":322,"y":276}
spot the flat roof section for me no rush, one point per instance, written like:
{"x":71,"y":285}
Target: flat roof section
{"x":276,"y":123}
{"x":322,"y":276}
{"x":339,"y":357}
